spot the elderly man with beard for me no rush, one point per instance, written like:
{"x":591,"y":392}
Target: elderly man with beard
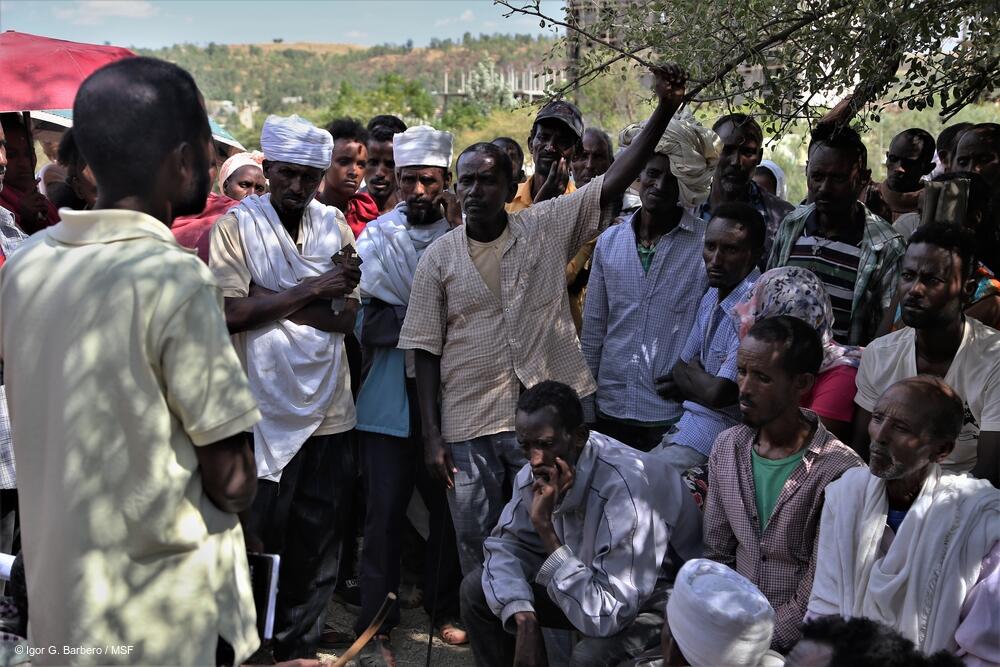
{"x":766,"y":477}
{"x":555,"y":138}
{"x":742,"y":150}
{"x":905,"y":543}
{"x":935,"y":283}
{"x":286,"y":268}
{"x":388,"y":415}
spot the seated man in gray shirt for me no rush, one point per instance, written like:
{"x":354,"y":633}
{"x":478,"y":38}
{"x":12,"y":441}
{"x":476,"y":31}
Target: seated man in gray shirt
{"x":589,"y":542}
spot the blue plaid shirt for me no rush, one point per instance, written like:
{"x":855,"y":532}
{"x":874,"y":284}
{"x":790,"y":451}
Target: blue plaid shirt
{"x":635,"y":323}
{"x":714,"y":340}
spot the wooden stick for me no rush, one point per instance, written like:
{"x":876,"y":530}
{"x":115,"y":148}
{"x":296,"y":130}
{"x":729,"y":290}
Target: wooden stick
{"x":369,"y":632}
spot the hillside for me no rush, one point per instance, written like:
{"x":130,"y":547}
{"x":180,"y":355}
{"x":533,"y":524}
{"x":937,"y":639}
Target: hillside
{"x":265,"y":74}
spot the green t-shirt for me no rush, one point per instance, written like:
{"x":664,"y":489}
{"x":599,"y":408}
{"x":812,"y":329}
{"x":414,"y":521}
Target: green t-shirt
{"x":645,"y":255}
{"x":769,"y":477}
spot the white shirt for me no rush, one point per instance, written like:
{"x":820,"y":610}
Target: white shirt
{"x":974,"y":374}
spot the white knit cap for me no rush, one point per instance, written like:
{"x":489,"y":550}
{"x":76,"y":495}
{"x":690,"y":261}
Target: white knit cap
{"x":718,"y":617}
{"x":422,"y":146}
{"x":296,"y":140}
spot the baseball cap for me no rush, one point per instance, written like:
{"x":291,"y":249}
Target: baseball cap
{"x":566,"y":113}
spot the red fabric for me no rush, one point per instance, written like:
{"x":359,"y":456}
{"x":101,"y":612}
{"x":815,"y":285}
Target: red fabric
{"x":10,"y":199}
{"x":192,"y":231}
{"x":43,"y":73}
{"x":832,"y":396}
{"x":361,"y":209}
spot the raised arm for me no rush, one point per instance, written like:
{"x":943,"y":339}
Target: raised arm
{"x":669,"y":83}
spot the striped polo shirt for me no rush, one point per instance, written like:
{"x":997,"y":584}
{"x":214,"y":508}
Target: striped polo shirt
{"x":835,"y":263}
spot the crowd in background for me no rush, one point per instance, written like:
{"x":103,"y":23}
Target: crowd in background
{"x":633,"y":409}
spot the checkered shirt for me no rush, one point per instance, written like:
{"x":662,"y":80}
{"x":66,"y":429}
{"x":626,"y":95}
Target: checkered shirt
{"x":11,"y":238}
{"x":781,"y":559}
{"x":635,"y":322}
{"x":490,"y":347}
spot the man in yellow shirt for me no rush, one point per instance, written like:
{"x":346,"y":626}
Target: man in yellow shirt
{"x":127,"y":399}
{"x":555,"y":138}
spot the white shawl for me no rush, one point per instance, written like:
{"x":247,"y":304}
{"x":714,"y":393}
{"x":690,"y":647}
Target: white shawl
{"x":293,"y":369}
{"x":920,"y":584}
{"x":390,"y":248}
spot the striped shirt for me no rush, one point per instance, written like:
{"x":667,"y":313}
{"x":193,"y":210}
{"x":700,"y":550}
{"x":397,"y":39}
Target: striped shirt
{"x":881,"y":251}
{"x":836,"y":265}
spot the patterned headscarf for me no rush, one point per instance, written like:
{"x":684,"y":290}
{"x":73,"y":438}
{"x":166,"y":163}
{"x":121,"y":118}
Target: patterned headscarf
{"x":798,"y":293}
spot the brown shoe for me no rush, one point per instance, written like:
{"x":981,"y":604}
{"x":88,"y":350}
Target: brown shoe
{"x":377,"y":653}
{"x":452,"y":633}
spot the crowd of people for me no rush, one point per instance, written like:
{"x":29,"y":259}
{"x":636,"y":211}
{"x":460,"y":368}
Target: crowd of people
{"x":632,"y":409}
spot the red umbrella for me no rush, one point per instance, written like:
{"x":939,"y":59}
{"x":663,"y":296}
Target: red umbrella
{"x":39,"y":73}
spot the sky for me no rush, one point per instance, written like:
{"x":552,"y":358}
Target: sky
{"x":157,"y":23}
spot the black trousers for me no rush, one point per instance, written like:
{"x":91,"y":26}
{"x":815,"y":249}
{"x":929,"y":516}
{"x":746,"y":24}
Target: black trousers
{"x":297,"y":518}
{"x":643,"y":438}
{"x":391,"y":468}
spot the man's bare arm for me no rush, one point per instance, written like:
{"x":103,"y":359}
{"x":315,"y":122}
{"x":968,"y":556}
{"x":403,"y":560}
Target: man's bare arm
{"x":229,"y":472}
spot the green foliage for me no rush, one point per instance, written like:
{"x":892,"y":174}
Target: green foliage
{"x":805,"y":56}
{"x":392,"y":94}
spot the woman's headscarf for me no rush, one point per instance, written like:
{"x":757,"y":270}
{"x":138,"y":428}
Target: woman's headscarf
{"x":235,"y":162}
{"x":779,"y":176}
{"x":797,"y":292}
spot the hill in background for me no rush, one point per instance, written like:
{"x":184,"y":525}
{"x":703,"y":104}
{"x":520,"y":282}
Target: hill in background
{"x":269,"y":75}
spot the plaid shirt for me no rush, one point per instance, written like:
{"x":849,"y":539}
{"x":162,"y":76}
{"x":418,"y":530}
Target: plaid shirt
{"x":714,"y":341}
{"x":490,"y":347}
{"x":781,"y":559}
{"x":882,"y":250}
{"x":11,"y":238}
{"x":635,"y":322}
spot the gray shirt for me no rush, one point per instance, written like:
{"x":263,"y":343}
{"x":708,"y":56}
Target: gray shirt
{"x":617,"y":522}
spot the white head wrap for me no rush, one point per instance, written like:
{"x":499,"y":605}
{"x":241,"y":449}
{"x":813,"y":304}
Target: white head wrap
{"x":779,"y":176}
{"x":693,"y":150}
{"x":422,"y":146}
{"x":717,"y":617}
{"x":296,"y":140}
{"x":236,"y":162}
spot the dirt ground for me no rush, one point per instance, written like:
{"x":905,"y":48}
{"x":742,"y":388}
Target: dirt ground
{"x":409,"y":639}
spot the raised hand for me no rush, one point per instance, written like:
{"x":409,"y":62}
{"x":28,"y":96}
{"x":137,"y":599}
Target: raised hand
{"x":555,"y":183}
{"x":669,"y":84}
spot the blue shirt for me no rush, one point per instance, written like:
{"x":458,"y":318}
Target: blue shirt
{"x":635,"y":323}
{"x":714,"y":340}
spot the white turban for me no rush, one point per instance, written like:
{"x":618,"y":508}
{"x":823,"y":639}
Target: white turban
{"x":236,"y":162}
{"x":296,"y":140}
{"x":718,"y":617}
{"x":693,"y":151}
{"x":422,"y":146}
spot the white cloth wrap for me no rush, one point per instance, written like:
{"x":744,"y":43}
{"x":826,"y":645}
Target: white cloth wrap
{"x":294,"y":370}
{"x":390,"y":248}
{"x":779,"y":176}
{"x":296,"y":140}
{"x":422,"y":146}
{"x":718,"y":617}
{"x":236,"y":162}
{"x":920,"y":584}
{"x":693,"y":150}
